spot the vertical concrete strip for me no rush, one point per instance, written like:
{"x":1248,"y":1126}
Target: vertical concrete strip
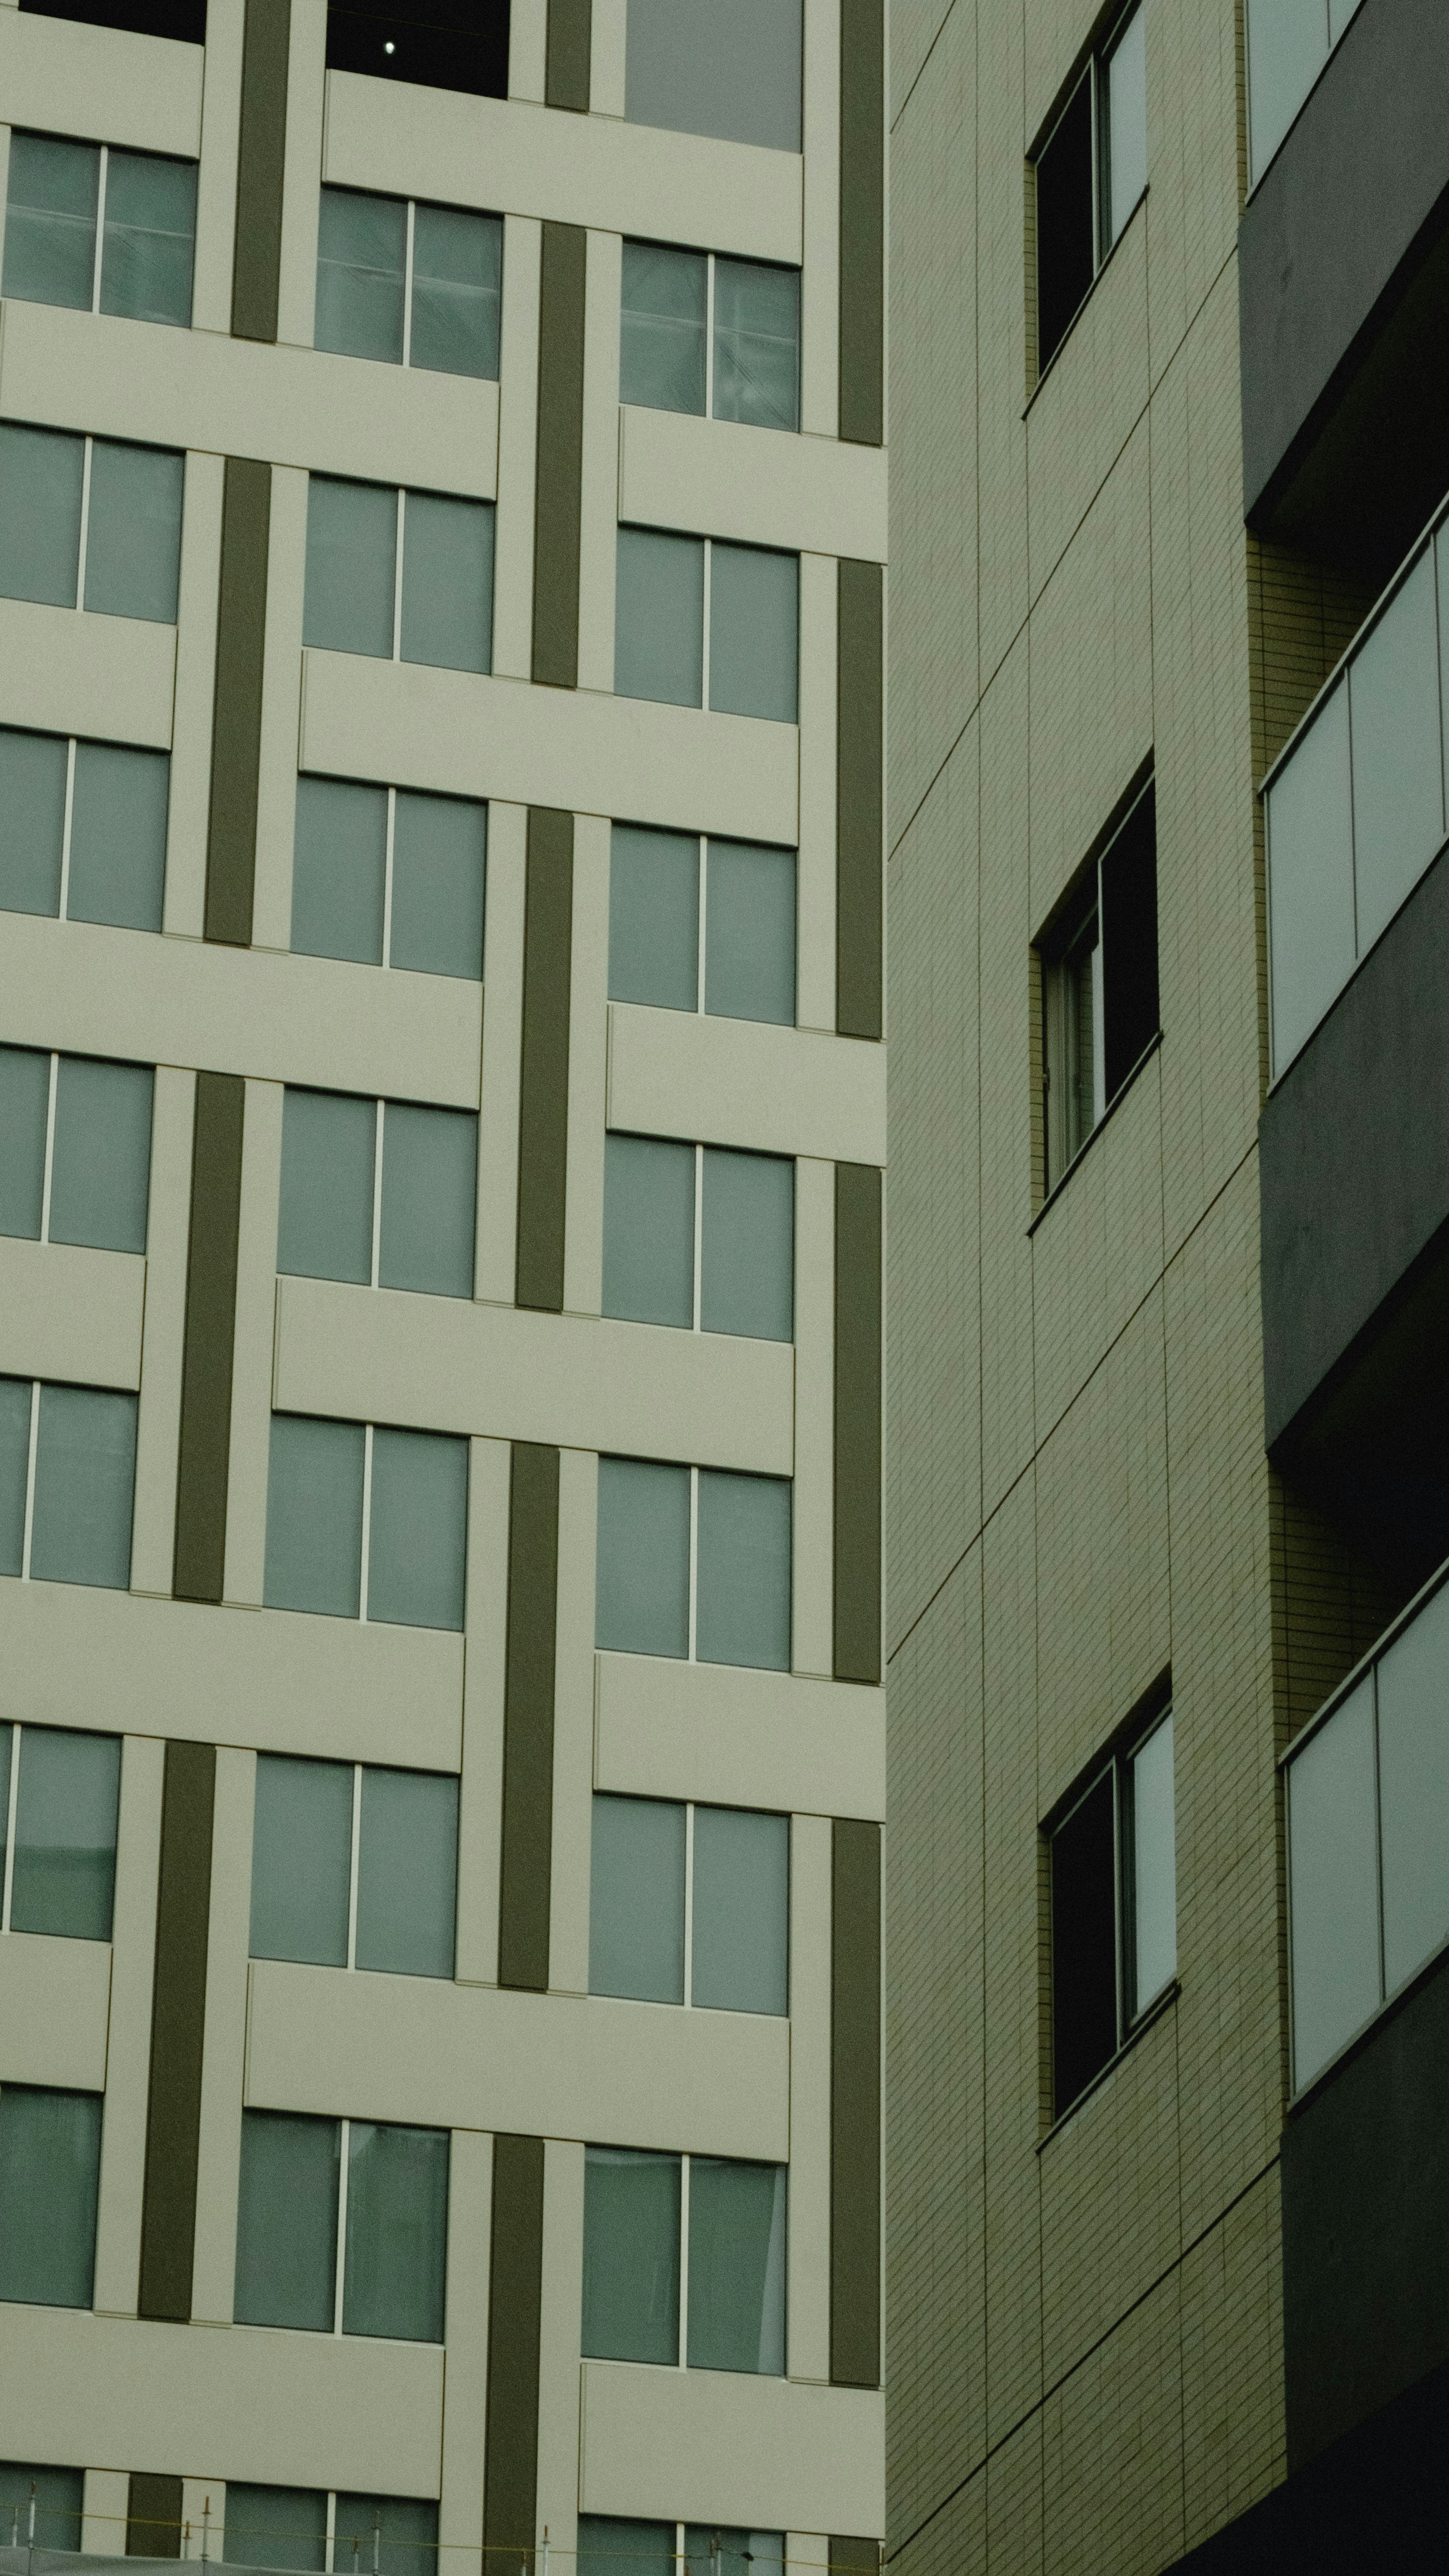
{"x":199,"y":1560}
{"x":261,"y":159}
{"x":515,"y":2306}
{"x":857,"y":1547}
{"x":859,"y":805}
{"x":862,"y":221}
{"x":153,"y":2516}
{"x":855,"y":2103}
{"x":567,"y":61}
{"x":526,"y":1861}
{"x":178,"y":2028}
{"x":236,"y":723}
{"x":543,"y":1088}
{"x":558,"y":478}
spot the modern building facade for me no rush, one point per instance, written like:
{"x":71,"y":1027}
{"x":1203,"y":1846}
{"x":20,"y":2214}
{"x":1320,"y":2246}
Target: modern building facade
{"x":441,"y":1127}
{"x":1169,"y":1709}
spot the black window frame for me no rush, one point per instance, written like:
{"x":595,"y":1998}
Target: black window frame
{"x":1117,"y":885}
{"x":1078,"y":2066}
{"x":1080,"y":128}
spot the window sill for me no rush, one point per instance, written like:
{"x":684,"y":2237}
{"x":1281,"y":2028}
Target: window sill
{"x":1109,"y":1113}
{"x":1164,"y":2003}
{"x":1067,"y":335}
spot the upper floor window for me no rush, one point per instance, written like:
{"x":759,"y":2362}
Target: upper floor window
{"x":183,"y":20}
{"x":445,"y":44}
{"x":50,"y":2172}
{"x":1090,"y":174}
{"x":698,"y":623}
{"x":354,"y":1866}
{"x":684,"y":2260}
{"x":698,"y":1236}
{"x":389,"y":878}
{"x":694,"y":1562}
{"x":725,"y":67}
{"x":415,"y":285}
{"x":342,"y":2226}
{"x":407,"y":576}
{"x":609,"y":2547}
{"x":67,"y":1483}
{"x":59,"y":1792}
{"x":1113,"y":1910}
{"x":378,"y":1192}
{"x":85,"y":829}
{"x":75,"y":1149}
{"x":366,"y":1522}
{"x":90,"y":523}
{"x":701,"y":925}
{"x":289,"y":2527}
{"x":1099,"y":986}
{"x":690,"y":1905}
{"x":701,"y":333}
{"x":100,"y":230}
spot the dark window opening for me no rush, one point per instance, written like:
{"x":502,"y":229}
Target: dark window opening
{"x":183,"y":20}
{"x":1113,"y":1910}
{"x":1065,"y":265}
{"x":446,"y":44}
{"x":1100,"y":1000}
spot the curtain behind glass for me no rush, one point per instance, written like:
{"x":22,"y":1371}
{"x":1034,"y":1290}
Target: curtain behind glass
{"x":631,"y":2255}
{"x":101,"y":1159}
{"x":429,"y":1199}
{"x":642,"y":1586}
{"x":407,"y":1873}
{"x":396,"y":2534}
{"x":301,"y":1860}
{"x":418,"y":1539}
{"x":457,"y":291}
{"x":351,"y":567}
{"x":65,"y":1833}
{"x":286,"y":2245}
{"x":50,"y":2164}
{"x":654,"y":918}
{"x":41,"y":472}
{"x":749,"y":945}
{"x":397,"y":2232}
{"x":361,"y":244}
{"x":447,"y":584}
{"x":736,"y":2266}
{"x":85,"y":1473}
{"x":24,"y":1109}
{"x":329,"y":1168}
{"x":133,"y":532}
{"x":439,"y":870}
{"x":740,"y":1953}
{"x":50,"y":221}
{"x":757,"y":344}
{"x":15,"y":1397}
{"x":648,"y":1230}
{"x":747,"y":1246}
{"x":150,"y":236}
{"x":32,"y":821}
{"x":275,"y":2526}
{"x":339,"y":868}
{"x":636,"y":1899}
{"x":662,"y":326}
{"x":743,"y":1584}
{"x":118,"y":836}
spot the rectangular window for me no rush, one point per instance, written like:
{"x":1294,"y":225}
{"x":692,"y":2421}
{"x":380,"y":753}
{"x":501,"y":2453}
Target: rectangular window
{"x":303,"y":2527}
{"x":367,"y":1522}
{"x":698,"y":623}
{"x":59,"y":1792}
{"x":40,"y":2508}
{"x":693,"y":1562}
{"x":50,"y":2168}
{"x":85,"y":829}
{"x":444,"y":44}
{"x":610,"y":2546}
{"x":388,"y":878}
{"x":401,"y":576}
{"x":67,"y":1479}
{"x":725,"y":67}
{"x":1113,"y":1910}
{"x":684,"y":2256}
{"x":413,"y":285}
{"x":1099,"y":987}
{"x":1091,"y":175}
{"x":698,"y":1236}
{"x":181,"y":20}
{"x":701,"y":925}
{"x":690,"y":1904}
{"x":354,"y":1867}
{"x":715,"y":336}
{"x":75,"y":1149}
{"x":89,"y":523}
{"x":100,"y":230}
{"x":342,"y":2227}
{"x":381,"y":1192}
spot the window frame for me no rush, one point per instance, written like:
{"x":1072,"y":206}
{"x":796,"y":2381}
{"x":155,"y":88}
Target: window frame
{"x":1054,"y":946}
{"x":691,"y":1806}
{"x":1132,"y":2017}
{"x":696,"y":1325}
{"x":711,"y":259}
{"x":484,"y":214}
{"x":181,"y":160}
{"x":691,"y":1656}
{"x":734,"y":545}
{"x":684,"y":2158}
{"x":1094,"y":71}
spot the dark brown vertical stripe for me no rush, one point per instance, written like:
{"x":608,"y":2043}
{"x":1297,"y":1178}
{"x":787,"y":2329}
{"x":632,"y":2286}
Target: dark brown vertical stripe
{"x":558,"y":480}
{"x":855,"y":2103}
{"x":261,"y":160}
{"x":857,"y":1422}
{"x":852,"y":2556}
{"x":543,"y":1101}
{"x":236,"y":722}
{"x":178,"y":2027}
{"x":153,"y":2516}
{"x":199,"y":1562}
{"x":570,"y":43}
{"x":515,"y":2299}
{"x":859,"y":814}
{"x":862,"y":221}
{"x":525,"y":1875}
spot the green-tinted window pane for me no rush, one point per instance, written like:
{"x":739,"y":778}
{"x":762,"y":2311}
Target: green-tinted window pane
{"x":743,"y":1614}
{"x":7,"y":1733}
{"x":50,"y":2163}
{"x":429,"y":1196}
{"x":447,"y":587}
{"x":654,"y":918}
{"x":275,"y":2526}
{"x":118,"y":836}
{"x":749,"y":942}
{"x":747,"y":1255}
{"x":610,"y":2546}
{"x":351,"y":562}
{"x":407,"y":1873}
{"x":50,"y":221}
{"x":642,"y":1605}
{"x":397,"y":2232}
{"x":726,"y":67}
{"x":85,"y":1473}
{"x":133,"y":532}
{"x":754,"y":616}
{"x":32,"y":821}
{"x":659,"y":617}
{"x":397,"y":2535}
{"x":736,"y":2266}
{"x":314,"y":1516}
{"x":711,"y":2551}
{"x":65,"y":1833}
{"x":339,"y":870}
{"x":40,"y":514}
{"x":757,"y":344}
{"x":361,"y":247}
{"x":150,"y":235}
{"x":631,"y":2256}
{"x":329,"y":1166}
{"x":301,"y":1860}
{"x":636,"y":1900}
{"x":649,"y":1230}
{"x":15,"y":1401}
{"x":438,"y":870}
{"x":286,"y":2242}
{"x":24,"y":1107}
{"x":740,"y":1954}
{"x":100,"y":1173}
{"x":457,"y":291}
{"x":662,"y":324}
{"x":418,"y":1541}
{"x":57,"y":2495}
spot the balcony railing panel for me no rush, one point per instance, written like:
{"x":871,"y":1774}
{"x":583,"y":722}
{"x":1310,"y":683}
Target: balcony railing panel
{"x":1289,"y":41}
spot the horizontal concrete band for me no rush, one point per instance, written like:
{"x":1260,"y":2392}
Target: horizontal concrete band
{"x":102,"y":82}
{"x":740,"y":1082}
{"x":781,"y":2454}
{"x":55,"y":2000}
{"x":66,"y":670}
{"x":767,"y":487}
{"x":71,"y":1313}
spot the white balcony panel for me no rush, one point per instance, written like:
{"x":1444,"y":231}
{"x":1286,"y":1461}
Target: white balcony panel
{"x":717,"y":2447}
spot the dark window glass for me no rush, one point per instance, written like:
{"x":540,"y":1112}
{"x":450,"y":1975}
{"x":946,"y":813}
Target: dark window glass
{"x":1065,"y":251}
{"x":1084,"y":1943}
{"x":183,"y":20}
{"x":447,"y":44}
{"x":1128,"y":916}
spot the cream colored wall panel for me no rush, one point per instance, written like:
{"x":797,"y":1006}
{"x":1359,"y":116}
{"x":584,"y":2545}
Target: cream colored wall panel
{"x":68,"y":1312}
{"x":767,"y":487}
{"x":721,"y":2447}
{"x":306,"y":93}
{"x":133,"y":1950}
{"x":738,"y":1082}
{"x":573,"y":1727}
{"x":224,"y":2051}
{"x":253,"y":1342}
{"x":450,"y":1365}
{"x":189,"y":815}
{"x":495,"y":1263}
{"x":63,"y":671}
{"x":588,"y":1068}
{"x":809,"y":2213}
{"x":595,"y":170}
{"x":738,"y":1739}
{"x":220,"y":66}
{"x":301,"y":2410}
{"x":527,"y":49}
{"x":281,"y":702}
{"x":558,"y":2355}
{"x":600,"y":510}
{"x":820,"y":278}
{"x":109,"y":88}
{"x":556,"y":2065}
{"x":158,"y":1421}
{"x":480,"y":1791}
{"x":517,"y":435}
{"x":813,"y":1516}
{"x":816,"y":859}
{"x":276,"y":1679}
{"x":465,"y":2380}
{"x":55,"y":2001}
{"x":609,"y":34}
{"x":579,"y":748}
{"x":106,"y":2499}
{"x":235,"y":1010}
